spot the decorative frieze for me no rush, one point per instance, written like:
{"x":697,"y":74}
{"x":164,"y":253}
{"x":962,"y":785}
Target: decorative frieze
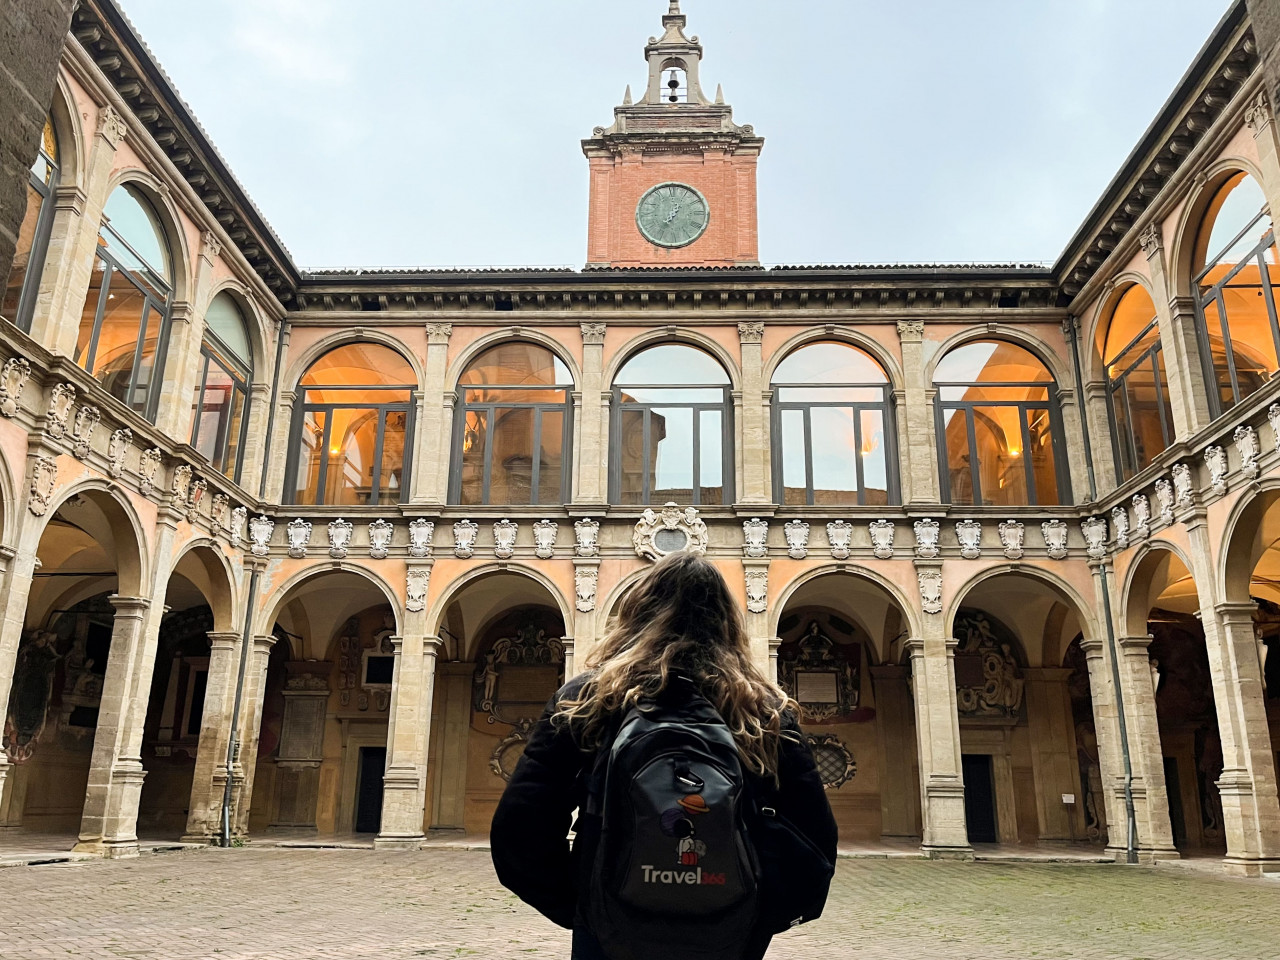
{"x":969,"y":533}
{"x":1055,"y":539}
{"x":464,"y":539}
{"x":13,"y":377}
{"x":757,"y":579}
{"x":544,"y":539}
{"x":1141,"y":516}
{"x":235,"y":530}
{"x":1250,"y":450}
{"x":218,"y":511}
{"x":751,"y":332}
{"x":840,"y":539}
{"x":181,"y":486}
{"x":586,"y":580}
{"x":1184,"y":494}
{"x":340,"y":538}
{"x":755,"y":536}
{"x":417,"y":581}
{"x":1215,"y":458}
{"x":883,"y":533}
{"x":380,"y":533}
{"x":1095,"y":537}
{"x":504,"y":539}
{"x":61,"y":399}
{"x":421,"y":534}
{"x":671,"y":531}
{"x":586,"y":534}
{"x":926,"y":539}
{"x":298,"y":534}
{"x":260,"y":531}
{"x":44,"y":473}
{"x":195,"y":493}
{"x":797,"y":534}
{"x":1012,"y":536}
{"x":1120,"y":526}
{"x":1164,"y":499}
{"x":121,"y":440}
{"x":87,"y":419}
{"x":930,"y":581}
{"x":148,"y":467}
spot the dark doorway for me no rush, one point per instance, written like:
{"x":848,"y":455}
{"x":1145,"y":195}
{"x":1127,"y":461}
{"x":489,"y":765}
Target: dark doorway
{"x":1177,"y":819}
{"x":373,"y":764}
{"x":979,"y":797}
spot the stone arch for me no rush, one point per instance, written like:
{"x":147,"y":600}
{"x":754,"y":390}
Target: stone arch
{"x":511,"y":335}
{"x":1181,"y":259}
{"x":1094,"y":336}
{"x":1244,"y":541}
{"x":9,"y":504}
{"x":672,"y":335}
{"x":257,"y":324}
{"x":846,"y":335}
{"x":1058,"y":367}
{"x":1066,"y":594}
{"x":343,"y":338}
{"x":128,"y":531}
{"x":282,"y":594}
{"x":436,"y":611}
{"x":1136,"y":599}
{"x":171,"y":220}
{"x":909,"y":610}
{"x":69,"y":129}
{"x":609,"y":603}
{"x":223,"y":583}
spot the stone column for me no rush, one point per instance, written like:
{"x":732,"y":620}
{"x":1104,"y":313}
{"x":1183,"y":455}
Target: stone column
{"x":451,"y":765}
{"x":255,"y":688}
{"x":1179,"y":342}
{"x":404,"y":800}
{"x":899,"y":763}
{"x":431,"y":473}
{"x":1110,"y":760}
{"x":205,"y":810}
{"x":1053,"y":752}
{"x":918,"y":446}
{"x":253,"y":454}
{"x":1100,"y":427}
{"x":1150,"y":794}
{"x":754,"y":429}
{"x":933,"y":681}
{"x":1251,"y":811}
{"x":71,"y":260}
{"x":590,"y":442}
{"x":281,"y":451}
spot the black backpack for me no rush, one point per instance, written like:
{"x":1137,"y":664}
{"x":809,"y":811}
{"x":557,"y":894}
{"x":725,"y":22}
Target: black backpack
{"x":673,"y":866}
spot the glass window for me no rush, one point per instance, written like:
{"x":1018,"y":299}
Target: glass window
{"x":998,"y":432}
{"x":833,"y":428}
{"x":221,"y":401}
{"x":514,"y":417}
{"x":23,"y":287}
{"x":672,"y":429}
{"x":1235,"y":294}
{"x":124,"y":326}
{"x":353,"y":428}
{"x":1137,"y":388}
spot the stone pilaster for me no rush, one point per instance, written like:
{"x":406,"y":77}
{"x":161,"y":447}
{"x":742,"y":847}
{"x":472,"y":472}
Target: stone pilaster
{"x":435,"y":421}
{"x":186,"y":335}
{"x":754,"y":423}
{"x":255,"y":688}
{"x":591,"y":447}
{"x":205,"y":810}
{"x":1053,"y":753}
{"x":899,"y":762}
{"x":1106,"y":727}
{"x":586,"y":615}
{"x":1150,"y":792}
{"x":1179,"y":342}
{"x":918,"y":449}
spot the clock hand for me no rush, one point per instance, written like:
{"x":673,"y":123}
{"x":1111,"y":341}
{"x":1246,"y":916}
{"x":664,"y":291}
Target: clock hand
{"x":675,"y":211}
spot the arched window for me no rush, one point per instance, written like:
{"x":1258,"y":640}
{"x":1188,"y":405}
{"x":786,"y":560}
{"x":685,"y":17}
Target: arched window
{"x":998,"y":433}
{"x":124,"y":328}
{"x":353,"y":428}
{"x":833,"y":428}
{"x":221,"y":400}
{"x":1235,"y":256}
{"x":515,"y":420}
{"x":1137,"y":385}
{"x":33,"y":235}
{"x":672,"y":429}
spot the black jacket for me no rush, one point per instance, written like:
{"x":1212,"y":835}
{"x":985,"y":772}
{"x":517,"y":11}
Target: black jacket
{"x":531,"y":852}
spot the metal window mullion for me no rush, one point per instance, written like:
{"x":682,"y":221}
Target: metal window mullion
{"x":859,"y":471}
{"x":92,"y":359}
{"x":646,"y":488}
{"x":943,"y":452}
{"x":1028,"y":465}
{"x":1223,"y":322}
{"x":238,"y":466}
{"x":975,"y":474}
{"x":697,"y":454}
{"x":1128,"y":436}
{"x":566,"y":450}
{"x":204,"y":382}
{"x":322,"y":483}
{"x":137,"y":355}
{"x":375,"y":476}
{"x":810,"y":494}
{"x":728,"y":462}
{"x":1234,"y":240}
{"x":1115,"y":434}
{"x":1166,"y":433}
{"x":491,"y":425}
{"x":536,"y":452}
{"x":1264,"y":276}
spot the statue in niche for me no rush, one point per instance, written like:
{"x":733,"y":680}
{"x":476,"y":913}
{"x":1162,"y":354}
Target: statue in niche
{"x":989,"y":681}
{"x":32,"y":692}
{"x":821,"y":675}
{"x":1209,"y":765}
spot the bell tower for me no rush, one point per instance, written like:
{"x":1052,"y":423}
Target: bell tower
{"x":673,"y":181}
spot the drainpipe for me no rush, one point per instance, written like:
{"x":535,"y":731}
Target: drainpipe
{"x":1131,"y":816}
{"x":233,"y":740}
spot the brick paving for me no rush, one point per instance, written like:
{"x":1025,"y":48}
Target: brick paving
{"x":279,"y":904}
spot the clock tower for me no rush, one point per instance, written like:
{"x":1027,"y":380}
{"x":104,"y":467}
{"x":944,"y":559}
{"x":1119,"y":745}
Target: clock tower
{"x":673,"y":181}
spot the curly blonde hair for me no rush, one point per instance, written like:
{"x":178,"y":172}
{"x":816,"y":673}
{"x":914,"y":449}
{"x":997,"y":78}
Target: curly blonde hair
{"x":681,"y":620}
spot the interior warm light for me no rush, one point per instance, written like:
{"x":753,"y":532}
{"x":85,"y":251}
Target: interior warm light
{"x":871,"y":445}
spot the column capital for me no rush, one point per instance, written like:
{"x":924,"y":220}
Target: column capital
{"x":1135,"y":645}
{"x":223,"y":639}
{"x":129,"y":605}
{"x":1091,"y":648}
{"x":751,"y":332}
{"x":1236,"y":612}
{"x":593,"y":334}
{"x":438,"y":334}
{"x":263,"y":644}
{"x":911,"y":331}
{"x":112,"y":127}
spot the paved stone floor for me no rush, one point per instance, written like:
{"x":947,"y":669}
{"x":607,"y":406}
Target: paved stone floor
{"x":278,"y":904}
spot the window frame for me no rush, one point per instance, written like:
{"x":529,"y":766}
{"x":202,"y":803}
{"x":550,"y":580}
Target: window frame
{"x":1215,"y":295}
{"x":376,"y":497}
{"x":1051,"y":404}
{"x":887,"y":408}
{"x":724,"y":408}
{"x":1126,"y":444}
{"x":240,"y":377}
{"x":34,"y":272}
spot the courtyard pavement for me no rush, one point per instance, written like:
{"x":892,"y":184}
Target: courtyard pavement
{"x":282,"y":904}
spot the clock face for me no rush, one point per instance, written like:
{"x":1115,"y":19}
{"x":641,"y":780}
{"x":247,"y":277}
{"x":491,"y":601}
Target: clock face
{"x":673,"y":215}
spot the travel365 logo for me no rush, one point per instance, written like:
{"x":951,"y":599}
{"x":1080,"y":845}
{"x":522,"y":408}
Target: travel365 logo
{"x":680,"y":823}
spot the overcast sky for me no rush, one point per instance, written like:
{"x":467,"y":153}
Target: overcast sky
{"x":430,"y":133}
